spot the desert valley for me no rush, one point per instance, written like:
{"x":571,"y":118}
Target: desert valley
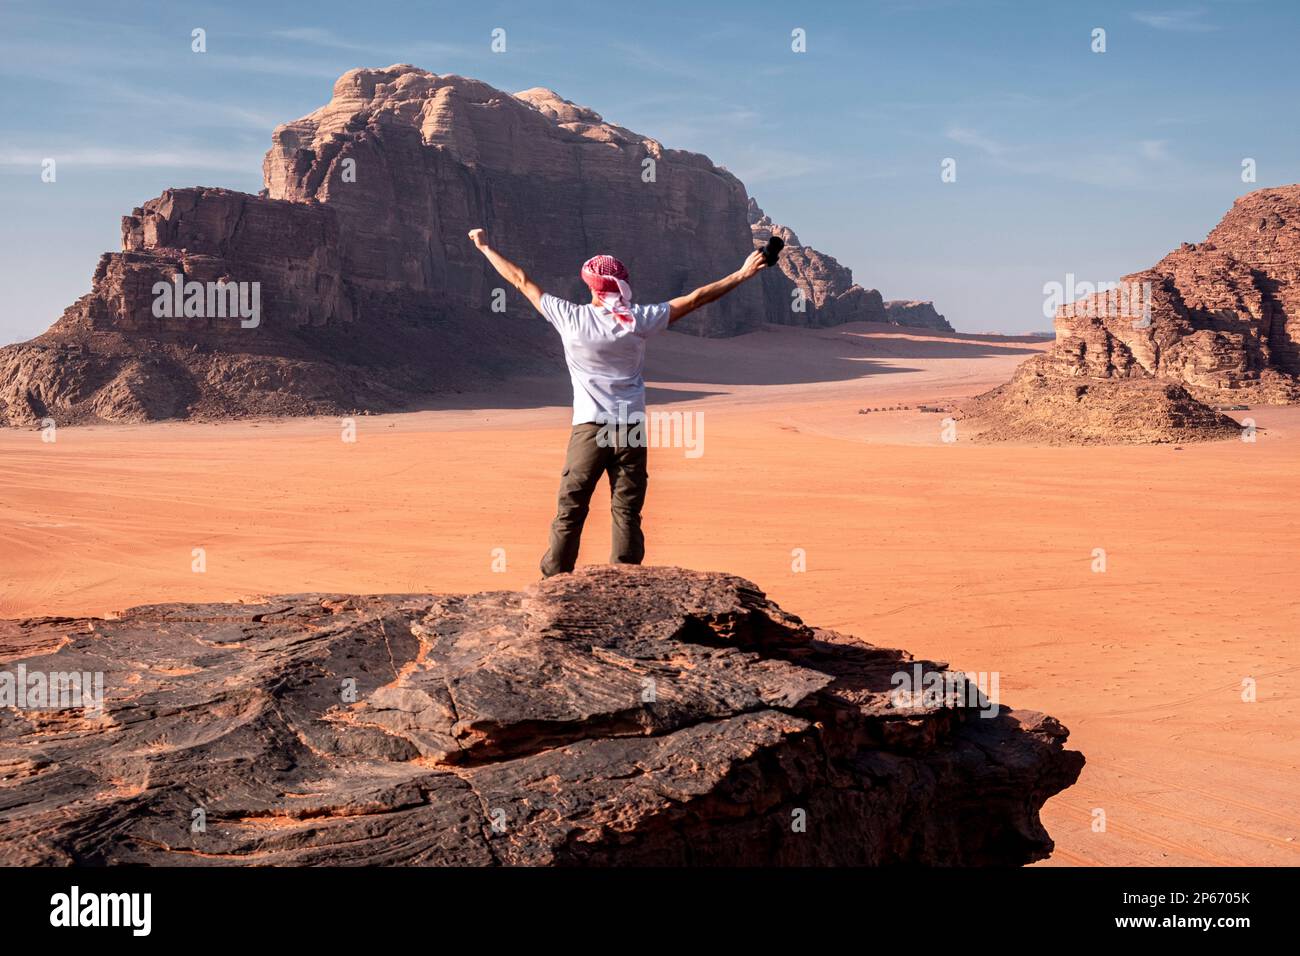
{"x":979,"y":555}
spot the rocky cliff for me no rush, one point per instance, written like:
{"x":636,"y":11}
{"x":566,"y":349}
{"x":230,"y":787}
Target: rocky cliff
{"x":368,"y":294}
{"x":613,"y":716}
{"x":1212,"y":322}
{"x":811,"y":288}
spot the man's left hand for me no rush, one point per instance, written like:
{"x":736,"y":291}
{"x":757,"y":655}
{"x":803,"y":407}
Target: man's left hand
{"x":754,"y":263}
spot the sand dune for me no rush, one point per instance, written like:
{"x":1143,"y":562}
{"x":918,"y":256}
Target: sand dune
{"x":977,"y":555}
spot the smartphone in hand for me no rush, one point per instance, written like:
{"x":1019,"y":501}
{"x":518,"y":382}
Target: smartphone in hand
{"x":772,"y":248}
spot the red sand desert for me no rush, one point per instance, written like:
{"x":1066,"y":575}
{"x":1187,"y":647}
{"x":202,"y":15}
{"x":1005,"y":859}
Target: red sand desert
{"x":979,"y":555}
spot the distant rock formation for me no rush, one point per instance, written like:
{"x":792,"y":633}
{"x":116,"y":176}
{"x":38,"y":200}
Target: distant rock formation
{"x":610,"y":717}
{"x":1216,"y":322}
{"x":370,"y":294}
{"x":812,"y":288}
{"x":916,"y":313}
{"x":1041,"y":406}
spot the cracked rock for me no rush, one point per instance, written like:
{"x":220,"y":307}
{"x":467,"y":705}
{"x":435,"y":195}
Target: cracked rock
{"x":618,"y":715}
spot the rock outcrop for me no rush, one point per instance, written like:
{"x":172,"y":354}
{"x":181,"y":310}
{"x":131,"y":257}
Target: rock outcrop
{"x":811,"y":288}
{"x":1041,"y":406}
{"x":917,"y":314}
{"x":369,"y":294}
{"x":1212,"y":322}
{"x":613,"y":716}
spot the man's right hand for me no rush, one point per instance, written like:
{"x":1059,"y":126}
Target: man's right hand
{"x":507,"y":269}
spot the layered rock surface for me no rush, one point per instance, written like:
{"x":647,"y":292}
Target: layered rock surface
{"x":614,"y":716}
{"x":371,"y":295}
{"x":1216,"y":322}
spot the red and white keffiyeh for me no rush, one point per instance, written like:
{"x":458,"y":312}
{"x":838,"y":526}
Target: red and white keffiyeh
{"x":607,"y":277}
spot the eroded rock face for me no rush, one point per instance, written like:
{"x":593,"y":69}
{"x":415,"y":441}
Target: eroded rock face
{"x":371,"y":295}
{"x":553,"y":183}
{"x":1041,"y":406}
{"x":613,"y":716}
{"x":320,"y":343}
{"x":812,"y":288}
{"x":1212,"y":322}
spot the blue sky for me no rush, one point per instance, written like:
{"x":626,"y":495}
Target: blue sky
{"x":1068,"y":161}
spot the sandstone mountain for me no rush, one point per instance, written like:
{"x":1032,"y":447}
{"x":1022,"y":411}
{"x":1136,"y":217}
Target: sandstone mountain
{"x":619,"y":715}
{"x":1216,"y":322}
{"x":370,"y":294}
{"x":812,"y":288}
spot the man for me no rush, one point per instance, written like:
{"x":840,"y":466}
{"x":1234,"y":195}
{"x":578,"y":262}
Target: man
{"x":604,"y":347}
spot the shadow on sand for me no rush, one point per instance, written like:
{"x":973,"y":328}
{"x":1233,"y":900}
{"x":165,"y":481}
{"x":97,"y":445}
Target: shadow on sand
{"x":774,"y":355}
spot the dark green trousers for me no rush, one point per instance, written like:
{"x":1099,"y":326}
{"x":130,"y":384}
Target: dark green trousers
{"x":587,"y":460}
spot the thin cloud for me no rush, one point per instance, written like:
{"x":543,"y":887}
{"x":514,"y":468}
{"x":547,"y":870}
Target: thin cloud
{"x":201,"y":110}
{"x":316,"y":36}
{"x":100,"y":90}
{"x":631,"y":54}
{"x":769,"y":166}
{"x":275,"y":65}
{"x":1119,"y":164}
{"x":1178,"y":21}
{"x":970,"y":137}
{"x":397,"y":53}
{"x":107,"y":157}
{"x":1155,"y":150}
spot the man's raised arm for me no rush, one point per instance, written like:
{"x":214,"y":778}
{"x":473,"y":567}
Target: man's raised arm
{"x":686,"y":304}
{"x":508,"y":270}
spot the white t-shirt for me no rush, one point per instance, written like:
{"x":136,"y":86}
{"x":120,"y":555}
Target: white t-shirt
{"x":606,"y":356}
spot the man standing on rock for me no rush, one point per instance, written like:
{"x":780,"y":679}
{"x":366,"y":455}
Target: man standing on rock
{"x":604,"y":347}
